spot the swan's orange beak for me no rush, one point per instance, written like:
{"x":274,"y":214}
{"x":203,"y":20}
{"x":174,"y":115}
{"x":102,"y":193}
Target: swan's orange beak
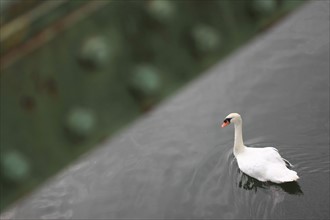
{"x":225,"y":123}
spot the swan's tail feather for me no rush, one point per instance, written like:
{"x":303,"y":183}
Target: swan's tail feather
{"x":289,"y":176}
{"x":282,"y":175}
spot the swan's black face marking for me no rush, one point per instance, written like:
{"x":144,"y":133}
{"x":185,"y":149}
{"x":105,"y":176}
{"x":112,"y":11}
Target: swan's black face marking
{"x":227,"y":120}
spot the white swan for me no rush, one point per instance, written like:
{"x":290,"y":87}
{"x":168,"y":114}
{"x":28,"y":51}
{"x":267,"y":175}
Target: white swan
{"x":264,"y":164}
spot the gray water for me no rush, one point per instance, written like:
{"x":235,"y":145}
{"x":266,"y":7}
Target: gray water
{"x":177,"y":162}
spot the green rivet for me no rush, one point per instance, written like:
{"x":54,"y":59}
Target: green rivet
{"x":206,"y":38}
{"x":81,"y":121}
{"x":95,"y":52}
{"x":264,"y":6}
{"x":15,"y":166}
{"x":146,"y":80}
{"x":162,"y":10}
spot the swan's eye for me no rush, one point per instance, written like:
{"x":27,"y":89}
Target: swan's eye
{"x":227,"y":120}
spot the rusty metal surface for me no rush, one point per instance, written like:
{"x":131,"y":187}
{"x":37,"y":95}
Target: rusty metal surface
{"x":14,"y":41}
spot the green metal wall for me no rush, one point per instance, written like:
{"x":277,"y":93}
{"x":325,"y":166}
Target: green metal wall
{"x":107,"y":69}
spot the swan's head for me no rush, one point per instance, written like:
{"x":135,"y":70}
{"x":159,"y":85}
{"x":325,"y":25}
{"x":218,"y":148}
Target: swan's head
{"x":231,"y":118}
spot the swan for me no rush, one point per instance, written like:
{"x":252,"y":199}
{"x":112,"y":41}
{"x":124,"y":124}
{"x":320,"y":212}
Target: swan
{"x":263,"y":164}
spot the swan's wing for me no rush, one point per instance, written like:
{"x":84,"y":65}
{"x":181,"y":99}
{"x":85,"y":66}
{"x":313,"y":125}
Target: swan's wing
{"x":254,"y":169}
{"x":265,"y":164}
{"x":277,"y":167}
{"x":274,"y":156}
{"x":287,"y":163}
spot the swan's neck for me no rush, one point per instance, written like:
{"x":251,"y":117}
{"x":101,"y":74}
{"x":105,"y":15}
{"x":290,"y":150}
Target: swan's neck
{"x":238,"y":141}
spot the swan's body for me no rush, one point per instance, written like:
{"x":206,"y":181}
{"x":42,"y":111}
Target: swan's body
{"x":264,"y":164}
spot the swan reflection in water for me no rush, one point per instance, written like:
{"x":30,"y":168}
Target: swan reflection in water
{"x":249,"y":183}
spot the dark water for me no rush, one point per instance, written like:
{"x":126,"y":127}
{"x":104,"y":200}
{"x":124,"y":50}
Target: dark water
{"x":177,"y":162}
